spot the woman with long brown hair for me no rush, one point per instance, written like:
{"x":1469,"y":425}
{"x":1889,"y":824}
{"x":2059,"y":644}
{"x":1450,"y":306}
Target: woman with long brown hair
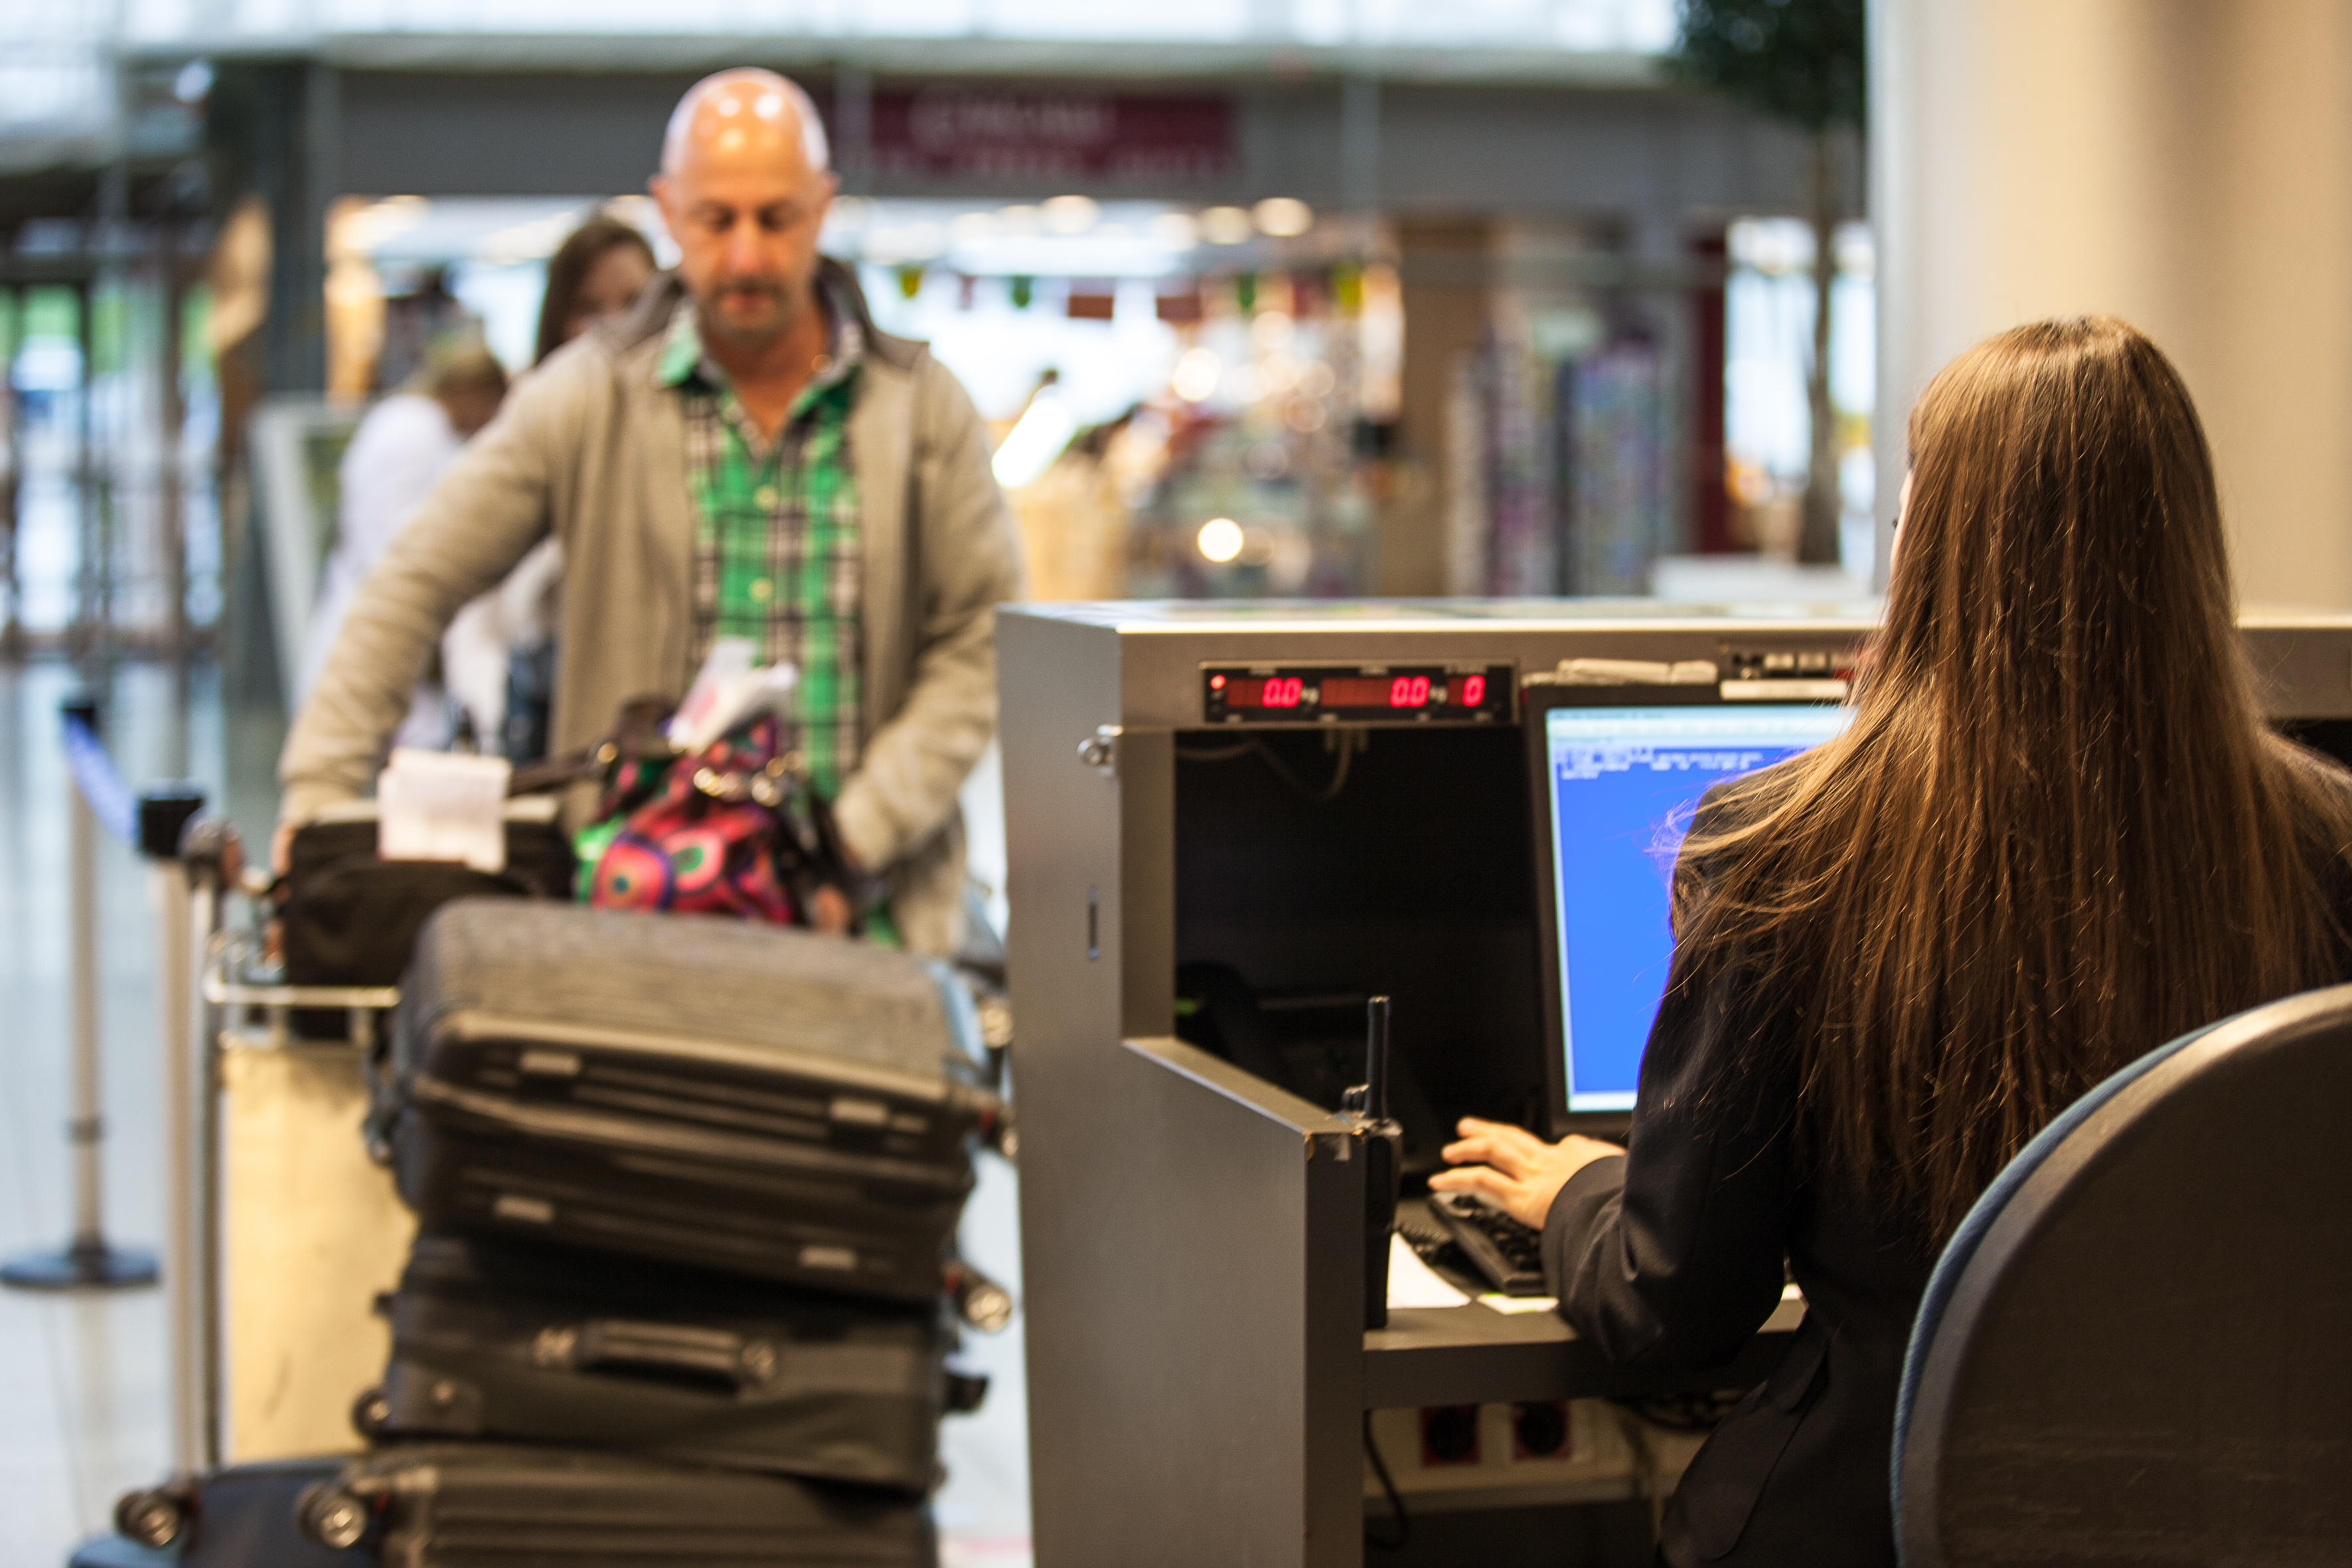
{"x":2055,"y":834}
{"x":595,"y":275}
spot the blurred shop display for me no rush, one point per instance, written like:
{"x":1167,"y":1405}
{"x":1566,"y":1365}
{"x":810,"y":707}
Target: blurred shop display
{"x":1558,"y":464}
{"x":1610,"y":420}
{"x":1770,"y":431}
{"x":1235,"y":477}
{"x":1259,"y":487}
{"x":1154,"y":370}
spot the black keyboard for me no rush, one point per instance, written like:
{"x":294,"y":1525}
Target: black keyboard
{"x":1510,"y":1255}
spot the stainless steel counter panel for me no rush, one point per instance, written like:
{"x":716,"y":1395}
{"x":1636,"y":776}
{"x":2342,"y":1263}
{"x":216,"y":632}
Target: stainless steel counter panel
{"x":2302,"y":660}
{"x":1163,"y":645}
{"x":2304,"y":656}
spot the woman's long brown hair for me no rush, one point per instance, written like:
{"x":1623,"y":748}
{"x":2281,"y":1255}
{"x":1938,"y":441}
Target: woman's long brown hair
{"x":569,"y":267}
{"x":2057,"y":832}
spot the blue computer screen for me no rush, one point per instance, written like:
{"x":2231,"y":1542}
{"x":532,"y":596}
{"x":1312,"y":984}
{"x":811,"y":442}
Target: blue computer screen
{"x":1624,"y":783}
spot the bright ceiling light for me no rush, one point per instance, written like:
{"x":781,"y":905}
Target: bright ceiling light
{"x":1033,"y":444}
{"x":1226,"y":225}
{"x":362,"y":229}
{"x":1284,"y":217}
{"x":1175,"y":231}
{"x":1220,"y":539}
{"x":1197,"y":375}
{"x":1070,"y":215}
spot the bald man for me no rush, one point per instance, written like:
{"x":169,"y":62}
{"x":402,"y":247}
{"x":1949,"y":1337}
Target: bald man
{"x":743,"y":455}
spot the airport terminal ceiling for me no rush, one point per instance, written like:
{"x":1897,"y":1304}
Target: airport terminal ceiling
{"x":1438,"y":147}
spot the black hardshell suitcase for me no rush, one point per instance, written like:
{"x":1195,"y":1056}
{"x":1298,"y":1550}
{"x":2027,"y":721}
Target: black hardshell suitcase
{"x":492,"y":1505}
{"x":494,"y":1339}
{"x":732,"y":1096}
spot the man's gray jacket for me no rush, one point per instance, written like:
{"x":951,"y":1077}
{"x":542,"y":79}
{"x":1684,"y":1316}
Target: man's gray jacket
{"x":590,"y":448}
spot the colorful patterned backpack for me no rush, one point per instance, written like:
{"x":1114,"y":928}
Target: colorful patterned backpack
{"x":734,"y":828}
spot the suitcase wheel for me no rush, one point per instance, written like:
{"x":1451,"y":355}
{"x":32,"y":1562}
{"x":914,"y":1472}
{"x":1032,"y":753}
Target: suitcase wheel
{"x":979,"y":1301}
{"x":152,"y":1517}
{"x":332,"y":1516}
{"x":369,"y":1411}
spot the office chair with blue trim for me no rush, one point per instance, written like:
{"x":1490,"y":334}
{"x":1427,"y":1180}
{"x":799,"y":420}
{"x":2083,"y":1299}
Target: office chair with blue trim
{"x":2137,"y":1347}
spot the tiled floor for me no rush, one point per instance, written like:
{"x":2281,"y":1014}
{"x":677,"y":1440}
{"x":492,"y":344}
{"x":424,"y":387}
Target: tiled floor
{"x":82,"y":1377}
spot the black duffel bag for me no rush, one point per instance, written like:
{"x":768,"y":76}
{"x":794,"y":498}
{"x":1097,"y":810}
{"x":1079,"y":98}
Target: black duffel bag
{"x":351,"y":918}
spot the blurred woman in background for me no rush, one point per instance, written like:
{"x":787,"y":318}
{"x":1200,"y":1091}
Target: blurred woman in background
{"x":500,"y":650}
{"x":595,"y":275}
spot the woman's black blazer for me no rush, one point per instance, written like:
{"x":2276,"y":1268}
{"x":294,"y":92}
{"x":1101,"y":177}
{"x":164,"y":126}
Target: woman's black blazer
{"x":1673,"y":1253}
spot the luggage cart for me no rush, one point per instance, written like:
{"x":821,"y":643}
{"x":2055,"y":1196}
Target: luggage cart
{"x":282,"y":1224}
{"x":280,"y":1230}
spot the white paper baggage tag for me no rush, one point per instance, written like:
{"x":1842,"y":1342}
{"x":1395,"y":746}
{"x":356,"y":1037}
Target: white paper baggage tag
{"x":435,"y":805}
{"x":728,"y":692}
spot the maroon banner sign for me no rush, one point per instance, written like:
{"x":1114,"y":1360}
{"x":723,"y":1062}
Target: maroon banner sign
{"x":948,"y":133}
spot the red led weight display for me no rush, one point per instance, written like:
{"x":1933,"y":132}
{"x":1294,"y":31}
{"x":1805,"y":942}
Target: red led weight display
{"x":1274,"y":692}
{"x":1357,"y":694}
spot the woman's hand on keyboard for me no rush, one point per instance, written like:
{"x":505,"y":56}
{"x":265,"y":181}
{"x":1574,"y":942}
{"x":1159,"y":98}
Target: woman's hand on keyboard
{"x":1513,"y":1168}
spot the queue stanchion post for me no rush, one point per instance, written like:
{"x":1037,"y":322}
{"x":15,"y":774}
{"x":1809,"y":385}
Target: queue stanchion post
{"x":94,"y":796}
{"x":177,"y":883}
{"x":212,"y":865}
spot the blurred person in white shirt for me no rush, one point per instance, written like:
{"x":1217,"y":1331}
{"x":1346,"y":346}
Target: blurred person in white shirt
{"x":396,"y":456}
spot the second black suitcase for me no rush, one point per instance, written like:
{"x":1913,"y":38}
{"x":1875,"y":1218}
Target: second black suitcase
{"x":490,"y":1505}
{"x":539,"y":1344}
{"x":730,"y":1096}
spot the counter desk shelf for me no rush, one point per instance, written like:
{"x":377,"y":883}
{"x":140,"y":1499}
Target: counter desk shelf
{"x":1476,"y":1355}
{"x":1221,"y":1221}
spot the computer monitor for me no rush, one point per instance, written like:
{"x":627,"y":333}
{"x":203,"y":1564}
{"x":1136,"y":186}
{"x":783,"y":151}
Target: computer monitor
{"x":1618,"y":772}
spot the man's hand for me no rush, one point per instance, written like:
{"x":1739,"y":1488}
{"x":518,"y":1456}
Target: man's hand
{"x":282,"y":849}
{"x":1515,"y":1169}
{"x":829,"y":910}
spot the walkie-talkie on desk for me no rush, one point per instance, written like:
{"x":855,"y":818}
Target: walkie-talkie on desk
{"x":1382,"y":1138}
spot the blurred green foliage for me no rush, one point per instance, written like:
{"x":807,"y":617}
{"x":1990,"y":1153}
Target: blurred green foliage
{"x":196,"y":330}
{"x":120,"y":315}
{"x":51,"y":313}
{"x":1797,"y":60}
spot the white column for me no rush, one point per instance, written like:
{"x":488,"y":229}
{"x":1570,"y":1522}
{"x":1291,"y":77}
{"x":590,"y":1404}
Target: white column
{"x":2186,"y":165}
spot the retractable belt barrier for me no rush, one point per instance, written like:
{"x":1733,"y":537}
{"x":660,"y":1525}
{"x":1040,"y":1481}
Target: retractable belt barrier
{"x":150,"y":820}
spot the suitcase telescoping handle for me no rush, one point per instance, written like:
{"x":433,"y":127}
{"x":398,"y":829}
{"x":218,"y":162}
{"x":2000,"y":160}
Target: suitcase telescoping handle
{"x":661,"y":1350}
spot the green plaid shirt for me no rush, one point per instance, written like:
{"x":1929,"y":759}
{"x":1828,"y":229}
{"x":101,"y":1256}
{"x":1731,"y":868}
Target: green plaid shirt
{"x":776,"y":548}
